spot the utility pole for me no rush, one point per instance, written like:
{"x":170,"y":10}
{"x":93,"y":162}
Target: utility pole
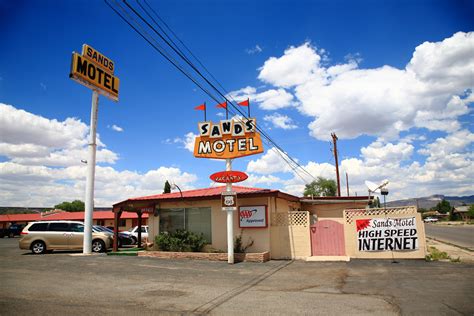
{"x":334,"y":142}
{"x":347,"y":184}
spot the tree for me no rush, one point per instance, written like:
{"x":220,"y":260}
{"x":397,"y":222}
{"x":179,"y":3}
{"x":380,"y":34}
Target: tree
{"x":74,"y":206}
{"x":470,"y":211}
{"x":376,"y":202}
{"x":321,"y":187}
{"x":167,"y":188}
{"x":443,"y":207}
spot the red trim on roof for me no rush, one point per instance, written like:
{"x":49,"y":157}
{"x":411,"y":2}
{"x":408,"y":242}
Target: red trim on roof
{"x":201,"y":193}
{"x":208,"y":193}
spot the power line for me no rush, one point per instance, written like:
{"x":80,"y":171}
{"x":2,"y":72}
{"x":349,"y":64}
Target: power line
{"x":289,"y":160}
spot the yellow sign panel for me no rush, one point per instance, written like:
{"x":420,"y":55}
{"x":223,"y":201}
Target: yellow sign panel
{"x":98,"y":58}
{"x":227,"y":140}
{"x":94,"y":76}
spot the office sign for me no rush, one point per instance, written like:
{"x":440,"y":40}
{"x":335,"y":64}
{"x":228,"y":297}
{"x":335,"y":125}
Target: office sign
{"x":228,"y":176}
{"x":228,"y":139}
{"x":95,"y":71}
{"x":387,"y":234}
{"x":253,"y":216}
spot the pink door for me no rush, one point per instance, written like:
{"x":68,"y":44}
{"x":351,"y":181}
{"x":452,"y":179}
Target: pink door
{"x":327,"y":239}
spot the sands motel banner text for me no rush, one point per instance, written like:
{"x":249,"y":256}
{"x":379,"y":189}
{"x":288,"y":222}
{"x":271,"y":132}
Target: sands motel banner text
{"x":387,"y":234}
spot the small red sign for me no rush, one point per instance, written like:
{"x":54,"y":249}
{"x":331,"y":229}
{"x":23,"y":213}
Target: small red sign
{"x":228,"y":176}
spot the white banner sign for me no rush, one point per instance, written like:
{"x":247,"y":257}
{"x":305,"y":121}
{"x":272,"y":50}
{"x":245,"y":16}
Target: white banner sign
{"x":252,"y":216}
{"x":387,"y":234}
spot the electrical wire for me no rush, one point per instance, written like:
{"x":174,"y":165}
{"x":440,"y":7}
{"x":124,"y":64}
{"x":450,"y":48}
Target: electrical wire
{"x":168,"y":40}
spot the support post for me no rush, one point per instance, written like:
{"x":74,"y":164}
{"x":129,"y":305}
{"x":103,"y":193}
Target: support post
{"x":230,"y":220}
{"x":139,"y":240}
{"x":89,"y":200}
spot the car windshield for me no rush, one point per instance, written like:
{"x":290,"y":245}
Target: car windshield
{"x":107,"y":229}
{"x":97,"y":229}
{"x":131,"y":229}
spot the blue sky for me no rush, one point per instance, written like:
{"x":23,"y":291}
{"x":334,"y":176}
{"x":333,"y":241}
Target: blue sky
{"x":309,"y":68}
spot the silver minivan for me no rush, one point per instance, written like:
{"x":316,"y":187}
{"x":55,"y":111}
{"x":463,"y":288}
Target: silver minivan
{"x":43,"y":236}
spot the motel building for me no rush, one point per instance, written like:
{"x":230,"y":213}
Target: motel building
{"x":284,"y":226}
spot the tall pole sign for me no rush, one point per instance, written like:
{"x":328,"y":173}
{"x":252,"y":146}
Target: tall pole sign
{"x":95,"y":71}
{"x":227,"y":140}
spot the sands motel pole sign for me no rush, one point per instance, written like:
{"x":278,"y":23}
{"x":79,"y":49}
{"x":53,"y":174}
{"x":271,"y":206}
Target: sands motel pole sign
{"x":95,"y":71}
{"x":228,"y":139}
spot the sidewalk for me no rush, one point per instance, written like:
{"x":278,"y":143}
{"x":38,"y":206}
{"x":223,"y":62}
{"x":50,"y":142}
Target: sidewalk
{"x":454,"y":252}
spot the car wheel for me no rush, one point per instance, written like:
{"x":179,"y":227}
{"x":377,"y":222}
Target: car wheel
{"x":38,"y":247}
{"x":134,"y":239}
{"x":98,"y":245}
{"x":11,"y":235}
{"x":119,"y":244}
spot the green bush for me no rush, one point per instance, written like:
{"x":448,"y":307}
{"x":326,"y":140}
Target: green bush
{"x":435,"y":254}
{"x":181,"y":240}
{"x":239,"y":246}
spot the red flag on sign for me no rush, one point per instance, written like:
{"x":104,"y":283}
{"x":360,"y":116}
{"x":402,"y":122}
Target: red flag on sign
{"x":201,"y":107}
{"x":244,"y":103}
{"x":222,"y":105}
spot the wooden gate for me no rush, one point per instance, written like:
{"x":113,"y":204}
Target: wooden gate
{"x":327,"y":238}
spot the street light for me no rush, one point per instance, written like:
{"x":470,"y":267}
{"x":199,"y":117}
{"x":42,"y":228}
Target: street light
{"x":174,"y":186}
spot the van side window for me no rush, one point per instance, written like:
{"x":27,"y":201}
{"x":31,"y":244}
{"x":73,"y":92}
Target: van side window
{"x":40,"y":227}
{"x":58,"y":227}
{"x":78,"y":228}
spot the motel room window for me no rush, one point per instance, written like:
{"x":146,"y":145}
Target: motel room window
{"x":122,"y":223}
{"x":101,"y":222}
{"x":196,"y":220}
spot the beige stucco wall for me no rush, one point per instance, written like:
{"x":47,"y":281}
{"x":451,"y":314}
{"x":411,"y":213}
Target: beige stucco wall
{"x":352,"y":249}
{"x":289,"y":232}
{"x":260,"y":236}
{"x":333,"y":211}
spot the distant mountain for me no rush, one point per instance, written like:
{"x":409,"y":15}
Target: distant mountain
{"x":431,"y":201}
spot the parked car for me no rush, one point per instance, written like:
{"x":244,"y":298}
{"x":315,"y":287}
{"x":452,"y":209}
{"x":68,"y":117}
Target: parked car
{"x":133,"y":233}
{"x":430,"y":220}
{"x":14,"y":230}
{"x":40,"y":237}
{"x":124,"y":239}
{"x":3,"y":232}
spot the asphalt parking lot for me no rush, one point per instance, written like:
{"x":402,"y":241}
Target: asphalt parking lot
{"x":64,"y":283}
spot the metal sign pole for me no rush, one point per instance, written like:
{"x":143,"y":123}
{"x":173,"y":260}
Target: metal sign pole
{"x":230,"y":220}
{"x":89,"y":201}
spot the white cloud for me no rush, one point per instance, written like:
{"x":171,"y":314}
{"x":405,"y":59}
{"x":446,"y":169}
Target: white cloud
{"x":254,"y":50}
{"x":295,"y":67}
{"x":116,"y":128}
{"x":42,"y":186}
{"x":448,"y":169}
{"x":44,"y":168}
{"x":30,"y":139}
{"x":431,"y":92}
{"x":270,"y":162}
{"x":280,"y":121}
{"x":21,"y":127}
{"x":272,"y":99}
{"x":378,"y":153}
{"x":454,"y":143}
{"x":261,"y":181}
{"x":187,"y":141}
